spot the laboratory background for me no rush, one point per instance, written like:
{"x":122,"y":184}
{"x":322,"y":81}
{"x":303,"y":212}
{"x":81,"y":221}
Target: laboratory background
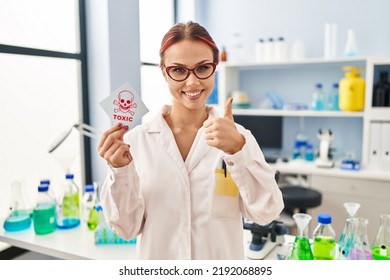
{"x":310,"y":79}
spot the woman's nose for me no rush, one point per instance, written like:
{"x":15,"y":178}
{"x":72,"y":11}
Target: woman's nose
{"x":192,"y":79}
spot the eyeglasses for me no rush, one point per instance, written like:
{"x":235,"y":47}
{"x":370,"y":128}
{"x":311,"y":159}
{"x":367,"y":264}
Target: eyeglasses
{"x":181,"y":73}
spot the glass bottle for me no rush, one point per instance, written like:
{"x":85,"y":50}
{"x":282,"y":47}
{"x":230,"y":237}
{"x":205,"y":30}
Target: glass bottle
{"x":324,"y":247}
{"x":223,"y":54}
{"x":381,"y":92}
{"x":19,"y":217}
{"x":89,"y":201}
{"x":68,"y":212}
{"x":318,"y":98}
{"x":333,"y":98}
{"x":381,"y":245}
{"x":309,"y":153}
{"x":302,"y":249}
{"x":351,"y":208}
{"x":44,"y":213}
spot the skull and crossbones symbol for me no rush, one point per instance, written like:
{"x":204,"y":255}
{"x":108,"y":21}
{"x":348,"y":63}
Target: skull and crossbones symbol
{"x":125,"y":102}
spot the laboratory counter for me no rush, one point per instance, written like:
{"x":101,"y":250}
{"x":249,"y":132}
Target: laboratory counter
{"x":78,"y":244}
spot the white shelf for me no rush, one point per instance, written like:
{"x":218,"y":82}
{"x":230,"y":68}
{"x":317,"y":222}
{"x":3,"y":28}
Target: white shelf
{"x":301,"y":113}
{"x":308,"y":61}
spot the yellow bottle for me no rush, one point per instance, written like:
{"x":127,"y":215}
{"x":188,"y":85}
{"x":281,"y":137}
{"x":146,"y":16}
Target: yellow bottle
{"x":351,"y":90}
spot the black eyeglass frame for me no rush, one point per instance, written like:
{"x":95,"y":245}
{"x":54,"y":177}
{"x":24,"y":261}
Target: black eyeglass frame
{"x":213,"y":64}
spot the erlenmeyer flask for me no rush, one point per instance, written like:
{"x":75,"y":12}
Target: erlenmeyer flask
{"x":19,"y":217}
{"x":363,"y":223}
{"x":302,"y":249}
{"x":352,"y":248}
{"x":381,"y":246}
{"x":351,"y":208}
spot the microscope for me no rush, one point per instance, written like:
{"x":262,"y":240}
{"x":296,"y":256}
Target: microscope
{"x":324,"y":160}
{"x":264,"y":238}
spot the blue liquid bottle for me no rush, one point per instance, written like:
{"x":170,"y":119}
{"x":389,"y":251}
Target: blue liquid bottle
{"x":318,"y":98}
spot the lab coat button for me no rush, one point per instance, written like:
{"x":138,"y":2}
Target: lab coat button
{"x":230,"y":163}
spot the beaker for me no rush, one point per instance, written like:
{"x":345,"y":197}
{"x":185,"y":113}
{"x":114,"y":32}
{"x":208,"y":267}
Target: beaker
{"x":351,"y":208}
{"x":381,"y":246}
{"x":19,"y":217}
{"x":302,"y":249}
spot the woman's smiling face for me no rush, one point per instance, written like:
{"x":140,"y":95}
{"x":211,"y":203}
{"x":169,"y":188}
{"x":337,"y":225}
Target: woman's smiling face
{"x":193,"y":92}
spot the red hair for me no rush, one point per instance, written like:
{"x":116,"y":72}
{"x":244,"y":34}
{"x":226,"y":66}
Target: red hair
{"x":192,"y":31}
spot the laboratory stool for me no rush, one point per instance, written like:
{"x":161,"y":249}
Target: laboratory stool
{"x":298,"y":198}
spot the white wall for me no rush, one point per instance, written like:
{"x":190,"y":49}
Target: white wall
{"x":302,"y":19}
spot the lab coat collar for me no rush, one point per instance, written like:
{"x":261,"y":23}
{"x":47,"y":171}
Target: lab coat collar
{"x":198,"y":149}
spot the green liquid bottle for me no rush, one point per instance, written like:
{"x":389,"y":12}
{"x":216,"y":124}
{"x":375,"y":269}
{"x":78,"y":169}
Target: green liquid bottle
{"x":324,"y":247}
{"x":68,"y":212}
{"x":44,"y":213}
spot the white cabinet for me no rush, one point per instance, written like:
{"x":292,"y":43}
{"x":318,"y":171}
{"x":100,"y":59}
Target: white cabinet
{"x":294,"y":82}
{"x":373,"y":195}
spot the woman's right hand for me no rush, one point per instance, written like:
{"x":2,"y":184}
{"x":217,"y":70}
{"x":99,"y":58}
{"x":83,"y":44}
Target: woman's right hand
{"x":112,"y":148}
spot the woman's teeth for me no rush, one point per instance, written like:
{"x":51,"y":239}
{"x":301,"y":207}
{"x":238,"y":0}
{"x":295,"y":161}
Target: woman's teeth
{"x":192,"y":93}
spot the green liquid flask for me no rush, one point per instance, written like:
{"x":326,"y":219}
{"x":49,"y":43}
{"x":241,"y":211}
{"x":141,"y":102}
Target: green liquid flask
{"x":302,"y":249}
{"x":381,"y":245}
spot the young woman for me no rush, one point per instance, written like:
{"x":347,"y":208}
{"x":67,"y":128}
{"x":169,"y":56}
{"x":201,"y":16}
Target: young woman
{"x":165,"y":181}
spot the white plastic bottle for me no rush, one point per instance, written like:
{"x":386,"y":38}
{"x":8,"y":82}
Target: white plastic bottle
{"x":324,"y":247}
{"x":259,"y":50}
{"x":89,"y":201}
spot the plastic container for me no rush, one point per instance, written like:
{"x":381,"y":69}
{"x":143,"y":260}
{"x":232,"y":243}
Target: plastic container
{"x":318,"y":98}
{"x":259,"y":51}
{"x":68,"y":212}
{"x":324,"y":247}
{"x":44,"y":213}
{"x":351,"y":90}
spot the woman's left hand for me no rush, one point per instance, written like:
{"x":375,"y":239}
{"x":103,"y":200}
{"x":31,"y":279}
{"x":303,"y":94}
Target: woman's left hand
{"x":222,"y":133}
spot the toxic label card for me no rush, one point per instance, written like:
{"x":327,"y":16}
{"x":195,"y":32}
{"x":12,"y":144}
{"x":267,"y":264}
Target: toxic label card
{"x":124,"y":106}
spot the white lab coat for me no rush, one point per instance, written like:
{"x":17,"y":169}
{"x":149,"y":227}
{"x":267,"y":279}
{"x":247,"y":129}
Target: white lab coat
{"x":172,"y":203}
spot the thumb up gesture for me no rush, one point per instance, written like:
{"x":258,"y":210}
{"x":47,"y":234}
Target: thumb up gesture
{"x":222,"y":133}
